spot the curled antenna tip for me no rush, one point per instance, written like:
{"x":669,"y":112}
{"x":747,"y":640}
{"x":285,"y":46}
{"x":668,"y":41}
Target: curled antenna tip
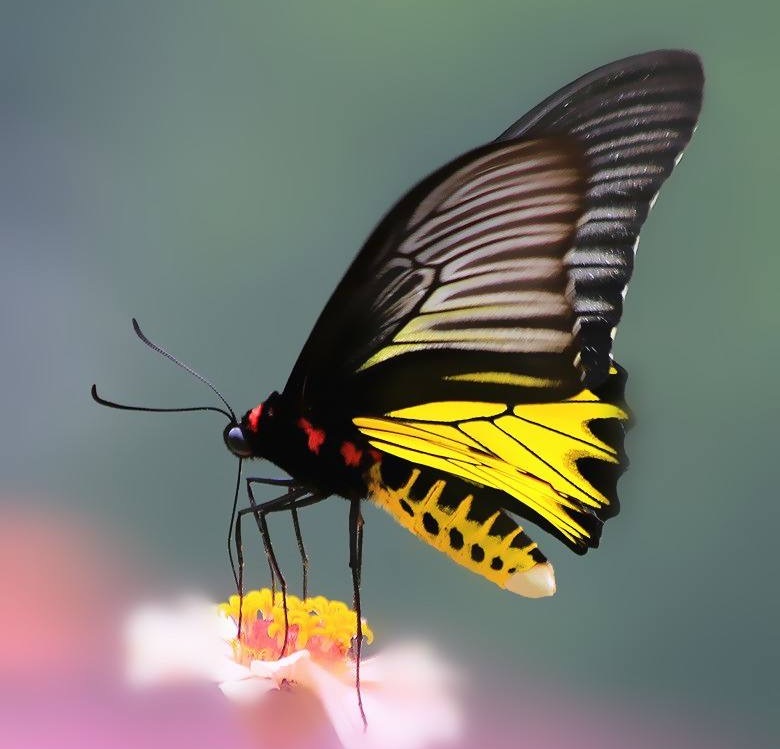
{"x":94,"y":392}
{"x":139,"y":332}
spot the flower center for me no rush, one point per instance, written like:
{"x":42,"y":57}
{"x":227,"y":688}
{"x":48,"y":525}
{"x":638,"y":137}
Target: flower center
{"x":325,"y":628}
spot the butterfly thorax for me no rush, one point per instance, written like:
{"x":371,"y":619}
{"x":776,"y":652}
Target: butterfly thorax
{"x":327,"y":456}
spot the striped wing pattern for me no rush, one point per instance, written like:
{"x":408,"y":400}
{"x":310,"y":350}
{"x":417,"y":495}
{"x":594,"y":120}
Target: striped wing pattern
{"x":480,"y":263}
{"x":633,"y":119}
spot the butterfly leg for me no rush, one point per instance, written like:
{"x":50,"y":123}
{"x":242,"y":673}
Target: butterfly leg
{"x":293,"y":508}
{"x":259,"y":511}
{"x":297,"y":505}
{"x":296,"y":497}
{"x":233,"y":510}
{"x":301,"y":550}
{"x":265,"y":482}
{"x":355,"y":564}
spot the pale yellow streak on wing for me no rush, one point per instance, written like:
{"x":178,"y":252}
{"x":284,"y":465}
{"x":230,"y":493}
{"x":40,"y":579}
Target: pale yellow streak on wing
{"x":436,"y":434}
{"x":506,"y":378}
{"x":448,"y":411}
{"x":388,"y":352}
{"x":424,"y":445}
{"x":447,"y":432}
{"x":423,"y":329}
{"x":432,"y":461}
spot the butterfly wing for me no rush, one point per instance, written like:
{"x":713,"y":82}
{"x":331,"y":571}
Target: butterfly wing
{"x":470,"y":271}
{"x":555,"y":463}
{"x":633,"y":119}
{"x":457,"y":475}
{"x":472,"y":334}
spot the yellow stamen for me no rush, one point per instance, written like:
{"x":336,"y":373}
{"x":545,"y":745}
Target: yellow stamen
{"x":324,"y":627}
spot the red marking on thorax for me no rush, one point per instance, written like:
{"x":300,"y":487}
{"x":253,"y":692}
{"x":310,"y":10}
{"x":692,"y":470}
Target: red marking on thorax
{"x":376,"y":456}
{"x":351,"y":454}
{"x":254,"y":417}
{"x":315,"y":436}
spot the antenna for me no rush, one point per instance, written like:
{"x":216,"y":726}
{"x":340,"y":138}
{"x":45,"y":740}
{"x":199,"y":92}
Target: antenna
{"x":122,"y":407}
{"x":163,"y":352}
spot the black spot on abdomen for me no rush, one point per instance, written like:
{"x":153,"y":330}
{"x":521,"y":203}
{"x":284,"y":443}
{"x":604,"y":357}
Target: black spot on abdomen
{"x":430,"y":524}
{"x":456,"y":539}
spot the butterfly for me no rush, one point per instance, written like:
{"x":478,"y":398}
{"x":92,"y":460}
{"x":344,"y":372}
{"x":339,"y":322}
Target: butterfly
{"x":461,"y":375}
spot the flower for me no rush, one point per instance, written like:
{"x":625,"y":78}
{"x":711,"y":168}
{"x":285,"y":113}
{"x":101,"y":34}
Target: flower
{"x":305,"y":696}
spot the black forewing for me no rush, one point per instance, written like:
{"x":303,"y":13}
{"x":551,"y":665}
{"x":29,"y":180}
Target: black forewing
{"x":626,"y":124}
{"x":633,"y":117}
{"x":465,"y":273}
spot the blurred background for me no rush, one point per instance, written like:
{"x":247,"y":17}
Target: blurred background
{"x":211,"y":168}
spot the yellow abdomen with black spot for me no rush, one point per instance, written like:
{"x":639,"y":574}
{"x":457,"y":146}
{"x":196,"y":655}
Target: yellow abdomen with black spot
{"x":476,"y":533}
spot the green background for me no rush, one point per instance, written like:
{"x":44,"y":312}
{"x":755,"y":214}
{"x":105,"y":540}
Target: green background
{"x":211,"y":168}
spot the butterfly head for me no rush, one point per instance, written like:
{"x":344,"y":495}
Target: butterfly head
{"x":244,"y":439}
{"x":236,"y":441}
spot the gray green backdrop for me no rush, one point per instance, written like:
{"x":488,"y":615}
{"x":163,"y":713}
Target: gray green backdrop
{"x":211,"y":168}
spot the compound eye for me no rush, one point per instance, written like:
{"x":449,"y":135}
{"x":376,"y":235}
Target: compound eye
{"x":236,"y":442}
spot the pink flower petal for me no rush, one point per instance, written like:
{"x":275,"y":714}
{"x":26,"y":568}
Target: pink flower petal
{"x":405,"y":697}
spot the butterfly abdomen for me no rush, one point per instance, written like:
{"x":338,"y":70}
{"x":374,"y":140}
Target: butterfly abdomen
{"x":457,"y":518}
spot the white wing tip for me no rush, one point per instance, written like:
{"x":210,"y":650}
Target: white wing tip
{"x":538,"y":582}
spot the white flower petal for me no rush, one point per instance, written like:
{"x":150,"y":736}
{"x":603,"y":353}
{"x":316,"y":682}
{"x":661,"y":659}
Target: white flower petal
{"x":247,"y":690}
{"x":284,"y":669}
{"x":226,"y":626}
{"x":179,"y":643}
{"x":412,"y":664}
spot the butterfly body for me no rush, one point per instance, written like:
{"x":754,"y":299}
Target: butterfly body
{"x":461,"y":375}
{"x":327,"y":456}
{"x":464,"y":520}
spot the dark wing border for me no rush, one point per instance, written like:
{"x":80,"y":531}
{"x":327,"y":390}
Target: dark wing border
{"x":633,"y":117}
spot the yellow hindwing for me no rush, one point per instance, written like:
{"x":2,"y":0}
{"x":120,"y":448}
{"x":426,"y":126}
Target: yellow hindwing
{"x":531,"y":452}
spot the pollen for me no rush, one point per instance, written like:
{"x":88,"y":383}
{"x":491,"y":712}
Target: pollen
{"x":325,"y":628}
